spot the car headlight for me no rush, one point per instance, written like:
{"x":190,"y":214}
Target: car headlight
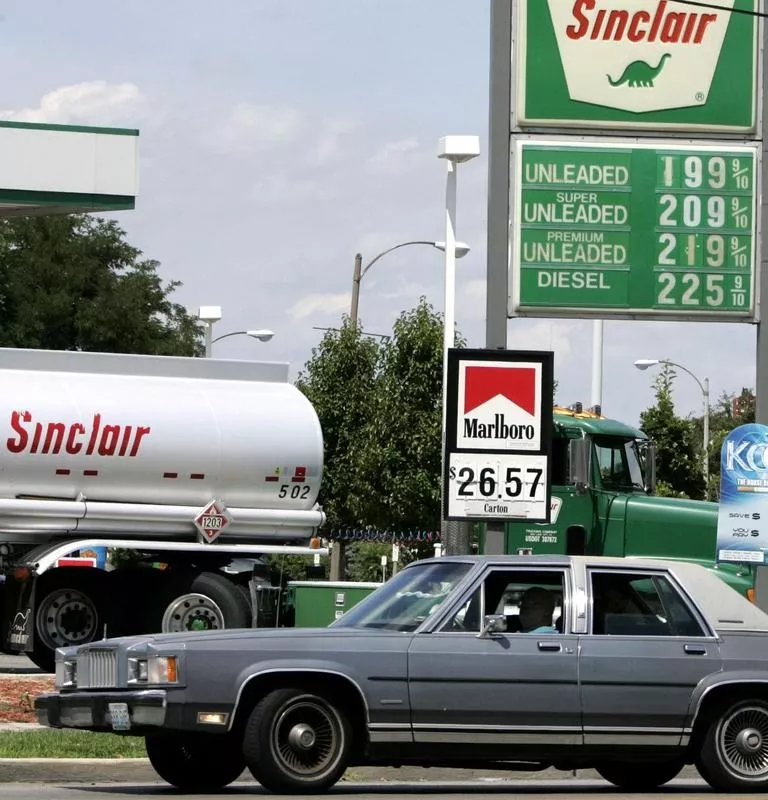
{"x":66,"y":673}
{"x":153,"y":670}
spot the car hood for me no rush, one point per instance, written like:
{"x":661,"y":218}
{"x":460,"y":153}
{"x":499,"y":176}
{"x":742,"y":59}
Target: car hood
{"x":238,"y":635}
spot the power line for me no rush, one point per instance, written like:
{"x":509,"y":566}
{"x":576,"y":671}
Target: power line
{"x":716,"y":7}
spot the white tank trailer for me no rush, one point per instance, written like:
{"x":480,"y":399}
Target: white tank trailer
{"x":189,"y":468}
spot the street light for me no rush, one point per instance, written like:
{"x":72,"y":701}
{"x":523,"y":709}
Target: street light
{"x":644,"y":363}
{"x":262,"y":335}
{"x":359,"y":271}
{"x":455,"y":150}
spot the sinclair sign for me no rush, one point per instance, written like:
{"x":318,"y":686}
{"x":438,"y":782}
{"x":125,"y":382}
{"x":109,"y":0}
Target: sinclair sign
{"x":638,"y":64}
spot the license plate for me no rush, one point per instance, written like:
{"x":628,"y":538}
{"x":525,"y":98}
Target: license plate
{"x":119,"y":716}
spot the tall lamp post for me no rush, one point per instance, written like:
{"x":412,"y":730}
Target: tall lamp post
{"x":460,"y":248}
{"x":644,"y":363}
{"x":455,"y":150}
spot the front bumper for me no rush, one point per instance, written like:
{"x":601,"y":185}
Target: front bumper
{"x":102,"y":711}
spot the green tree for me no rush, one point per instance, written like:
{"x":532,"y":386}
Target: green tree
{"x":340,"y":380}
{"x":380,"y":407}
{"x":73,"y":282}
{"x":678,"y":450}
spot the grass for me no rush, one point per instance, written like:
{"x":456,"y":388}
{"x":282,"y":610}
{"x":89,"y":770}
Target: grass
{"x":70,"y":744}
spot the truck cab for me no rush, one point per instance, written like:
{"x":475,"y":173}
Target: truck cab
{"x":604,"y":502}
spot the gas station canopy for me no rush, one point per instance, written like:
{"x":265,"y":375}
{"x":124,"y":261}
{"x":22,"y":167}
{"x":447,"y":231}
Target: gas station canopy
{"x":65,"y":169}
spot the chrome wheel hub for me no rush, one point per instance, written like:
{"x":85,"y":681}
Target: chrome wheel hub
{"x":306,"y":738}
{"x":742,"y":739}
{"x":302,"y":737}
{"x":192,"y":612}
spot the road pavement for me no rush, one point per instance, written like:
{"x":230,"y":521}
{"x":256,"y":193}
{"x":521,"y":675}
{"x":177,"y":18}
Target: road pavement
{"x":18,"y":664}
{"x":535,"y":790}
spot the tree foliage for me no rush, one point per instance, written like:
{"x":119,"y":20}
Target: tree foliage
{"x":678,"y":452}
{"x":73,"y":282}
{"x":380,"y":406}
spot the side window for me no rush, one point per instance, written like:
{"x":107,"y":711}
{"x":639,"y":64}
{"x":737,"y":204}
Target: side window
{"x":531,"y":601}
{"x":632,"y":604}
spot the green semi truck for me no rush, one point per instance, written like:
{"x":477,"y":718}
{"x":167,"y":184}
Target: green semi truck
{"x":603,"y":503}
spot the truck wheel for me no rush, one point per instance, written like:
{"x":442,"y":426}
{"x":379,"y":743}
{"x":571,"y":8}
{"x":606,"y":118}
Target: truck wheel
{"x":211,"y":602}
{"x":641,"y":776}
{"x":734,"y":754}
{"x":296,"y":741}
{"x":68,"y":603}
{"x":195,"y":762}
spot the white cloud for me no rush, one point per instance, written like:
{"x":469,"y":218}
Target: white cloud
{"x":393,"y":155}
{"x":541,"y":335}
{"x":327,"y":304}
{"x":88,"y":103}
{"x":252,"y":127}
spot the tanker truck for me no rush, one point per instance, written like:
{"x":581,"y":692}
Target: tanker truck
{"x":191,"y":468}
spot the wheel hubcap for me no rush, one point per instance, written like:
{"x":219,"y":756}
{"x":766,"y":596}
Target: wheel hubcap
{"x":192,"y":612}
{"x":66,"y":617}
{"x":302,"y":737}
{"x":306,"y":738}
{"x":743,"y":740}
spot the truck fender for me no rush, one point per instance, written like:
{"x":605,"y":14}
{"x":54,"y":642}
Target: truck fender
{"x":285,"y":667}
{"x":715,"y":681}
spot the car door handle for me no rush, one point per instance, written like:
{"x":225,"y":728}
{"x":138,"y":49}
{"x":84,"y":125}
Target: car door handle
{"x":695,"y":650}
{"x":550,"y":647}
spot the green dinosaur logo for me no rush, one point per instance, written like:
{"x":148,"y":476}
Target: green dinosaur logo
{"x":638,"y":73}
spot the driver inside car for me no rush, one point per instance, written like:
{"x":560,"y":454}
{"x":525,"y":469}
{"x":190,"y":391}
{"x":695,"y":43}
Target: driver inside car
{"x":536,"y":609}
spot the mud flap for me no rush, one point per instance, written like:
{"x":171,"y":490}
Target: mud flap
{"x":19,"y":615}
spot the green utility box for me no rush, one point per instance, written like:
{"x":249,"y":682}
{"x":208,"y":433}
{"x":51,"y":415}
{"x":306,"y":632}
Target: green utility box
{"x":318,"y":603}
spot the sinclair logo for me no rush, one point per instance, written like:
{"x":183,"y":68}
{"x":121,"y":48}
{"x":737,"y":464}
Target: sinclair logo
{"x":499,"y":406}
{"x":639,"y":55}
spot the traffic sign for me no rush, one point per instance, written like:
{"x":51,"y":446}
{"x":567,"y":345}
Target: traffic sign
{"x":632,"y":230}
{"x":213,"y":520}
{"x":641,"y":64}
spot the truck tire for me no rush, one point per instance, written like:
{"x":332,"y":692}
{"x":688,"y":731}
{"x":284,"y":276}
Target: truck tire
{"x":733,"y":756}
{"x":297,"y":742}
{"x":195,"y":762}
{"x":68,"y":611}
{"x":208,"y":601}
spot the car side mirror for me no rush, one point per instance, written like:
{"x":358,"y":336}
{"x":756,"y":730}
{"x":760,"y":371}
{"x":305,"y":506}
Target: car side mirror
{"x":493,"y":624}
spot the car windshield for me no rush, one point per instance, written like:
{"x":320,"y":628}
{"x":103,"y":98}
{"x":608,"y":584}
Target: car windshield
{"x":406,"y":599}
{"x":618,"y":462}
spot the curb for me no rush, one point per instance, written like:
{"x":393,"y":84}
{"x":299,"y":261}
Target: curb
{"x":139,"y":770}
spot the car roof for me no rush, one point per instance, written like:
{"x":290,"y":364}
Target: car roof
{"x":724,"y":607}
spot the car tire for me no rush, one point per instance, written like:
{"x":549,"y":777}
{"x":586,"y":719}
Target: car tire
{"x":297,"y":741}
{"x":734,"y":753}
{"x":639,"y":776}
{"x":195,"y":762}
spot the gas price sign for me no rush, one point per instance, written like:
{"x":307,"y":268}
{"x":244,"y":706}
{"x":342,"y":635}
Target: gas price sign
{"x":510,"y":486}
{"x":634,"y":230}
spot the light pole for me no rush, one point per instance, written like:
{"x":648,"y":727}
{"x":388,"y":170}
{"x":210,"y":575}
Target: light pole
{"x":644,"y":363}
{"x":455,"y":150}
{"x":209,"y":315}
{"x":460,"y":248}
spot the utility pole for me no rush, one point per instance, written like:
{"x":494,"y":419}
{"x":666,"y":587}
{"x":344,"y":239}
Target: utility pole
{"x":338,"y":548}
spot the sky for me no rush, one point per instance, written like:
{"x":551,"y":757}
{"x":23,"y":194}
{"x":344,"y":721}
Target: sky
{"x":278,"y":138}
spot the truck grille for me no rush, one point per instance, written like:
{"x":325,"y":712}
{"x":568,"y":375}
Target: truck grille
{"x":97,"y":669}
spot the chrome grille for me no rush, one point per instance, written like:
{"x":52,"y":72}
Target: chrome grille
{"x":97,"y":669}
